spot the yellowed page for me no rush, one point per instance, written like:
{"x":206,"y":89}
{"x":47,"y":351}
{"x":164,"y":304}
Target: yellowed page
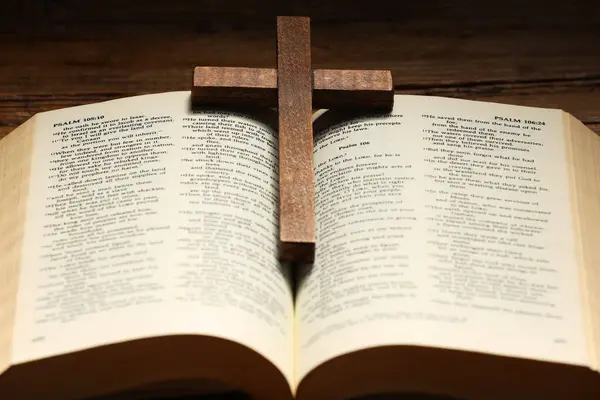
{"x":583,"y":150}
{"x":15,"y":157}
{"x":445,"y":224}
{"x":145,"y":220}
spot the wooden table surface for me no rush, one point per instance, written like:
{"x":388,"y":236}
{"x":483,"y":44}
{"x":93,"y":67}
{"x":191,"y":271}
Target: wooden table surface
{"x":62,"y":53}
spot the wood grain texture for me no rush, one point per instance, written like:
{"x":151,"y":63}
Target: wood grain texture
{"x":297,"y":225}
{"x":64,"y":52}
{"x":217,"y":86}
{"x":359,"y":89}
{"x":257,"y":87}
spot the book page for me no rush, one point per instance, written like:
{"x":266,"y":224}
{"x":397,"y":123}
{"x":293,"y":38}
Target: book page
{"x":15,"y":162}
{"x":146,"y":219}
{"x":446,"y":223}
{"x":583,"y":158}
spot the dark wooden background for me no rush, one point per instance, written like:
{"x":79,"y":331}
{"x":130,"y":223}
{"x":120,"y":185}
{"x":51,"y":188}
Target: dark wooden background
{"x":59,"y":53}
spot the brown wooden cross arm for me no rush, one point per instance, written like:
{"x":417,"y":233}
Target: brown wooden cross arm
{"x":295,"y":89}
{"x":257,"y":87}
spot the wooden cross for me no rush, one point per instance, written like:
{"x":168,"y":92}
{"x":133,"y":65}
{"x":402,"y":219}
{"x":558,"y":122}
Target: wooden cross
{"x":295,"y":89}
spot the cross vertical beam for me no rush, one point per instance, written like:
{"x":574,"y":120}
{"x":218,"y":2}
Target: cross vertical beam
{"x":296,"y":172}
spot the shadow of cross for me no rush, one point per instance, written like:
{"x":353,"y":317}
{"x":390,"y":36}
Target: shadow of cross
{"x":295,"y":89}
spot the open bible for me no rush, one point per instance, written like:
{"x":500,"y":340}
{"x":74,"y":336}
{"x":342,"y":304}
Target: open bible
{"x":457,"y":254}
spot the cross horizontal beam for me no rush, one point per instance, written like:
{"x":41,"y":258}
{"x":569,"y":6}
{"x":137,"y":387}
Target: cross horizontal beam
{"x":332,"y":88}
